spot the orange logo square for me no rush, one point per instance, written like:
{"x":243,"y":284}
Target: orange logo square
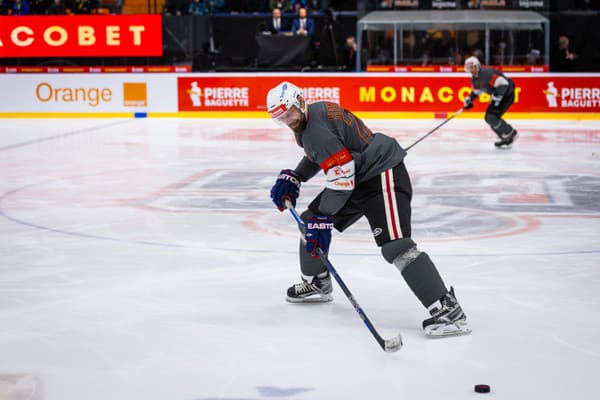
{"x":134,"y":94}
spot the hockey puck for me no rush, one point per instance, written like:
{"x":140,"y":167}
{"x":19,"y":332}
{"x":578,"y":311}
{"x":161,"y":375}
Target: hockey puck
{"x":482,"y":388}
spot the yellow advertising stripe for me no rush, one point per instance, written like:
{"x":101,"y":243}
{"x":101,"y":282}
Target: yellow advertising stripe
{"x":66,"y":115}
{"x":209,"y":114}
{"x":395,"y":115}
{"x":591,"y":116}
{"x":263,"y":114}
{"x":533,"y":115}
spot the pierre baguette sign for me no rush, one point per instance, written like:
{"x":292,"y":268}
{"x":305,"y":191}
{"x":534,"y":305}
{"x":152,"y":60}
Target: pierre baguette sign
{"x":81,"y":36}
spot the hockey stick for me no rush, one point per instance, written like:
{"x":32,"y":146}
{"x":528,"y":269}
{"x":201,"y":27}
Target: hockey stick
{"x":436,"y":128}
{"x":388,"y":345}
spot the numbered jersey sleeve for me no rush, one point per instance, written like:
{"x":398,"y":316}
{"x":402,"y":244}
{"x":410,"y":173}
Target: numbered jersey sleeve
{"x":347,"y":152}
{"x":323,"y":146}
{"x":493,"y":82}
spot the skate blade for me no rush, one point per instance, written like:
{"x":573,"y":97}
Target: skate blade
{"x":457,"y":329}
{"x":322,"y":298}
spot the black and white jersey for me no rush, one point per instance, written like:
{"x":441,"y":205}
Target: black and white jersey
{"x":346,"y":150}
{"x":492,"y":82}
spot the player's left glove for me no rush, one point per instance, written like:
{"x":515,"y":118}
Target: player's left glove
{"x":468,"y":103}
{"x":318,"y":233}
{"x":286,"y":187}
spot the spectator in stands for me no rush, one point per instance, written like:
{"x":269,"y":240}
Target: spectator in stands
{"x":298,"y":4}
{"x":303,"y":25}
{"x":20,"y":7}
{"x":176,"y":7}
{"x":197,"y":7}
{"x":116,"y":7}
{"x":236,"y":6}
{"x":349,"y":54}
{"x":283,"y":5}
{"x":567,"y":61}
{"x":256,"y":6}
{"x":456,"y":58}
{"x":37,"y":7}
{"x":500,"y":58}
{"x":276,"y":24}
{"x":425,"y":58}
{"x":214,"y":6}
{"x":56,"y":8}
{"x":80,"y":6}
{"x":532,"y":56}
{"x":317,"y":5}
{"x":478,"y":53}
{"x":425,"y":48}
{"x":4,"y":7}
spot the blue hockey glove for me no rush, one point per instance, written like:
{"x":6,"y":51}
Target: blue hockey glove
{"x":318,"y":234}
{"x":286,"y":187}
{"x":468,"y":103}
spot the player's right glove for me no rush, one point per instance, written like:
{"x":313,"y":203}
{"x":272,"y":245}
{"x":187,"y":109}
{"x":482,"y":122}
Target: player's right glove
{"x":286,"y":187}
{"x":468,"y":103}
{"x":318,"y":233}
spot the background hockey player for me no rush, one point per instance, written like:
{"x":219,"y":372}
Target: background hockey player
{"x":365,"y":176}
{"x":502,"y":90}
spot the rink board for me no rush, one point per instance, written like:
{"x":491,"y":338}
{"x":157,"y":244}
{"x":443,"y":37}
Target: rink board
{"x":384,"y":95}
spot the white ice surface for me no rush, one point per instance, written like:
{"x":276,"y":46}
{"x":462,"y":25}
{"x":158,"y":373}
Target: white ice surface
{"x":142,"y":259}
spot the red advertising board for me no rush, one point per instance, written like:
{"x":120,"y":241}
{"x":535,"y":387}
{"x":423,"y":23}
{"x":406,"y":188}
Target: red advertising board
{"x":81,"y":36}
{"x":453,"y":68}
{"x":96,"y":69}
{"x":391,"y":93}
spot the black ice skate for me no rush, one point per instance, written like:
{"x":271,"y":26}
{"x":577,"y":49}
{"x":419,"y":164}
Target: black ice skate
{"x":447,"y":318}
{"x":506,"y":140}
{"x":317,"y":291}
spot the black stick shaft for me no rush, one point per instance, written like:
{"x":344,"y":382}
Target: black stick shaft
{"x":436,"y":128}
{"x":392,"y":345}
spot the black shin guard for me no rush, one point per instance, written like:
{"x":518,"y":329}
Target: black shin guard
{"x":308,"y":265}
{"x":424,"y":280}
{"x":502,"y":129}
{"x":498,"y":125}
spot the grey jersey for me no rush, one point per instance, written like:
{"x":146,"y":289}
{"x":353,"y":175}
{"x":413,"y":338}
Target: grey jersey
{"x":339,"y":143}
{"x":493,"y":82}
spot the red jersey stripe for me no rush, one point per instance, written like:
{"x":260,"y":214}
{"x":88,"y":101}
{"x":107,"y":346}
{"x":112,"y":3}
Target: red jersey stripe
{"x":392,"y":205}
{"x":340,"y":158}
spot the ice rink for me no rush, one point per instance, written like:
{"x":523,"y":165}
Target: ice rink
{"x":143,"y":259}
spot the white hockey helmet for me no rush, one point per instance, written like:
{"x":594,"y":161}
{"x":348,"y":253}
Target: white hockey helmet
{"x":472,"y":62}
{"x":282,"y":98}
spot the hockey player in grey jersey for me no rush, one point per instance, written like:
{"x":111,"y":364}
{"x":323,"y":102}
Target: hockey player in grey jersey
{"x":502,"y":90}
{"x":365,"y":176}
